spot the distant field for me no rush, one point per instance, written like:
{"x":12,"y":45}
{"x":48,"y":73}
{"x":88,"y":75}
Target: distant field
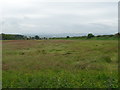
{"x":60,"y":63}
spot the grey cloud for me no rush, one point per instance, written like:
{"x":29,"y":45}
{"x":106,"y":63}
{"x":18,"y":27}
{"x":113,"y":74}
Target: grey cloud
{"x":61,"y":18}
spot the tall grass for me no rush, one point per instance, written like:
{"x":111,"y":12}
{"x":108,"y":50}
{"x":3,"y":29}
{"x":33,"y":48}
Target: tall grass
{"x":60,"y":64}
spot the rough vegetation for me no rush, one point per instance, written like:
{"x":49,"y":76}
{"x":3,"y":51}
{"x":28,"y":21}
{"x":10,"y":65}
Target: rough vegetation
{"x":60,"y":63}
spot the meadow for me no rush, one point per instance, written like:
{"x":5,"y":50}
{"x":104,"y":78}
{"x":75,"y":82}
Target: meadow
{"x":60,"y":63}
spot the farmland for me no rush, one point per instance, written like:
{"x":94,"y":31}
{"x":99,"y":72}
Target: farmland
{"x":60,"y":63}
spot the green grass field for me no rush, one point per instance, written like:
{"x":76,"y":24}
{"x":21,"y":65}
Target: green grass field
{"x":60,"y":64}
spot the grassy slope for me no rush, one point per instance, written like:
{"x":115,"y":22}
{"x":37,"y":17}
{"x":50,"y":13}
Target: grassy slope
{"x":60,"y":63}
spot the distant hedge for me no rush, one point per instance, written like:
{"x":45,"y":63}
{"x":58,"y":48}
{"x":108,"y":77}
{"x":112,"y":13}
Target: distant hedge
{"x":11,"y":37}
{"x":89,"y":36}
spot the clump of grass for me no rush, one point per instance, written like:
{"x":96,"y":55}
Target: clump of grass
{"x":44,"y":52}
{"x":94,"y":66}
{"x":21,"y":53}
{"x":67,"y":53}
{"x":107,"y":59}
{"x":55,"y":50}
{"x":81,"y":66}
{"x":27,"y":48}
{"x":38,"y":51}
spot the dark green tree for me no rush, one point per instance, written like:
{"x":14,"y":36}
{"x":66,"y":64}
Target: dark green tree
{"x":68,"y":37}
{"x":117,"y":34}
{"x":37,"y":37}
{"x":90,"y":35}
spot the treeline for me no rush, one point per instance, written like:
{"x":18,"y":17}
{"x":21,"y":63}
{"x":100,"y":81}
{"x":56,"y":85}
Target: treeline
{"x":18,"y":37}
{"x":11,"y":37}
{"x":89,"y":36}
{"x":92,"y":36}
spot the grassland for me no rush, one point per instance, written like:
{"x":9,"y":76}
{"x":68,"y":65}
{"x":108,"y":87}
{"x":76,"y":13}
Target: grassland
{"x":60,"y":64}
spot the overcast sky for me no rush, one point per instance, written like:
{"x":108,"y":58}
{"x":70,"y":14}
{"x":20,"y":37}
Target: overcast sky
{"x":68,"y":16}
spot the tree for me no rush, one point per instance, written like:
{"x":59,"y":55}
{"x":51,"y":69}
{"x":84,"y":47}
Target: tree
{"x":33,"y":38}
{"x":36,"y":37}
{"x":44,"y":38}
{"x":90,"y":35}
{"x":68,"y":37}
{"x":11,"y":37}
{"x":117,"y":34}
